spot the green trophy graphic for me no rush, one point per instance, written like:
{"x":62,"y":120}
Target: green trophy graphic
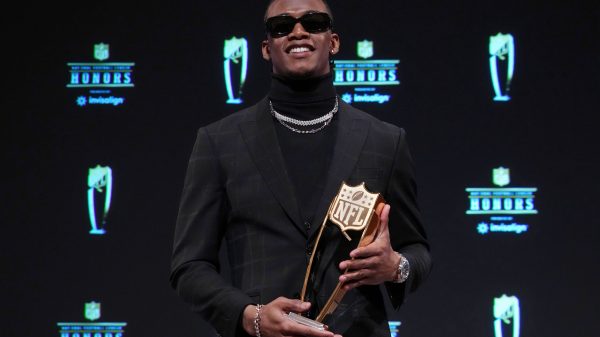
{"x":99,"y":182}
{"x":502,"y":56}
{"x":235,"y":67}
{"x":507,"y":311}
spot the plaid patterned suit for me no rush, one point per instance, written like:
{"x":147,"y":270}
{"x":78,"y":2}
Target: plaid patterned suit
{"x":236,"y":187}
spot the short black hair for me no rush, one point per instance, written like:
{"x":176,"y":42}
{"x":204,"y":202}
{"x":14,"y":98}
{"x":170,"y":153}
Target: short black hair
{"x":323,"y":1}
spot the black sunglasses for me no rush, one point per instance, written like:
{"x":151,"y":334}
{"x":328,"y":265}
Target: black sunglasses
{"x":313,"y":22}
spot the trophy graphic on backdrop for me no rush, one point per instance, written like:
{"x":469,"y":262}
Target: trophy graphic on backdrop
{"x":507,"y":311}
{"x":99,"y":182}
{"x":502,"y":56}
{"x":235,"y":67}
{"x":354,"y":209}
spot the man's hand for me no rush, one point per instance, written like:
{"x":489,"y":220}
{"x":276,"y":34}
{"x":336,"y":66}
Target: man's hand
{"x":274,"y":321}
{"x":374,"y":263}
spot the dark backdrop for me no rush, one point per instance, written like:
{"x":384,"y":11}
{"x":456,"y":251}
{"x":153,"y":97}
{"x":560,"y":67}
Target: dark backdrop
{"x":546,"y":134}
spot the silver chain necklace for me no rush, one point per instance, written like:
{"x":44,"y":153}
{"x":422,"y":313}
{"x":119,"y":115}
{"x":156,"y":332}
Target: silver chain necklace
{"x":286,"y":121}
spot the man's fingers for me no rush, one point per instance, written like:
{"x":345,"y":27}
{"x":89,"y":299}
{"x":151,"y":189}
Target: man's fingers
{"x":287,"y":305}
{"x":373,"y":249}
{"x":382,"y":237}
{"x":292,"y":328}
{"x":275,"y":322}
{"x":358,"y":264}
{"x":356,"y":276}
{"x":310,"y":332}
{"x":353,"y":284}
{"x":384,"y":219}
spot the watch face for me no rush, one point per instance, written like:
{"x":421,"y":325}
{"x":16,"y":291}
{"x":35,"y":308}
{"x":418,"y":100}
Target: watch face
{"x":403,"y":269}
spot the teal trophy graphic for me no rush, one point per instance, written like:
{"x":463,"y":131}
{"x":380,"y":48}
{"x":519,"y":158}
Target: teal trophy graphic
{"x":507,"y":313}
{"x":235,"y":68}
{"x":502,"y":64}
{"x":99,"y":183}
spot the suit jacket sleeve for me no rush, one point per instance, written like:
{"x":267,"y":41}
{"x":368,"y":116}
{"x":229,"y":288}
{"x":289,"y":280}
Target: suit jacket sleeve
{"x":199,"y":231}
{"x":407,"y":233}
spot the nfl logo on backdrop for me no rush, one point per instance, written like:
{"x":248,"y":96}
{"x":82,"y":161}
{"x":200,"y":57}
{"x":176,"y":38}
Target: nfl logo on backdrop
{"x":90,"y":328}
{"x":502,"y":204}
{"x":367,"y":77}
{"x":99,"y":79}
{"x":501,"y":176}
{"x":364,"y":49}
{"x":92,"y":311}
{"x":101,"y":51}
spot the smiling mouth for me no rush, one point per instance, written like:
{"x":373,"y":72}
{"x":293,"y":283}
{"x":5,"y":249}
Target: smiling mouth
{"x":300,"y":49}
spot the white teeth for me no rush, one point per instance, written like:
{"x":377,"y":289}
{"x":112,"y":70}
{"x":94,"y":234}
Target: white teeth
{"x":299,"y":49}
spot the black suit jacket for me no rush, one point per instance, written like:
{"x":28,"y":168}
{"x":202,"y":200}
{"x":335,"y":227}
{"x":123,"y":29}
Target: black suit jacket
{"x":236,"y":187}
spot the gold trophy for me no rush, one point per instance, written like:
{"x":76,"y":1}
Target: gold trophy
{"x":354,"y":208}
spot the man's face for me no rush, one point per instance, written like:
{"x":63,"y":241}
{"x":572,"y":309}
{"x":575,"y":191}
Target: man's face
{"x":299,"y":54}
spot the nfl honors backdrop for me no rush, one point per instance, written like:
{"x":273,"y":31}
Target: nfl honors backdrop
{"x":498,"y":100}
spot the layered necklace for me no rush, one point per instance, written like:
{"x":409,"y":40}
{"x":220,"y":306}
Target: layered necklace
{"x":300,"y":126}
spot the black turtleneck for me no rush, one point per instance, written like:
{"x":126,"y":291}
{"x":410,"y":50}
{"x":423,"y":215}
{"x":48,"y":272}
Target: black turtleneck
{"x":307,"y":156}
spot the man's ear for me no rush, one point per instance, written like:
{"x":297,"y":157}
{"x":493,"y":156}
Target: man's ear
{"x":266,"y":50}
{"x":335,"y":44}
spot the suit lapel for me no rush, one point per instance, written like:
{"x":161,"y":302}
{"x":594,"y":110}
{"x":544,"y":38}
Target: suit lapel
{"x":262,"y":143}
{"x":350,"y":139}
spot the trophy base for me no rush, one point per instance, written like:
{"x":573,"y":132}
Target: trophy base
{"x":234,"y":101}
{"x":307,"y":321}
{"x":502,"y":98}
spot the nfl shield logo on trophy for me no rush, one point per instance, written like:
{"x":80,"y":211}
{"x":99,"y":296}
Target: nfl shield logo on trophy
{"x":353,"y":207}
{"x":101,"y":51}
{"x":501,"y":176}
{"x":92,"y":311}
{"x":364,"y":49}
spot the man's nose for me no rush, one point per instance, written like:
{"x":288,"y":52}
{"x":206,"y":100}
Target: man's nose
{"x":298,"y":31}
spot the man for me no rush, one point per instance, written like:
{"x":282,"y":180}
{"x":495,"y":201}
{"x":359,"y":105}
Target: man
{"x":263,"y":179}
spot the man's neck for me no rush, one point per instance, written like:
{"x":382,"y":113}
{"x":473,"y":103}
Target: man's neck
{"x":302,"y":90}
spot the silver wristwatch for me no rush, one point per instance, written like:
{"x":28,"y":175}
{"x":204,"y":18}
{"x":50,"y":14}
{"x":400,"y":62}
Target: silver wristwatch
{"x":403,"y":270}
